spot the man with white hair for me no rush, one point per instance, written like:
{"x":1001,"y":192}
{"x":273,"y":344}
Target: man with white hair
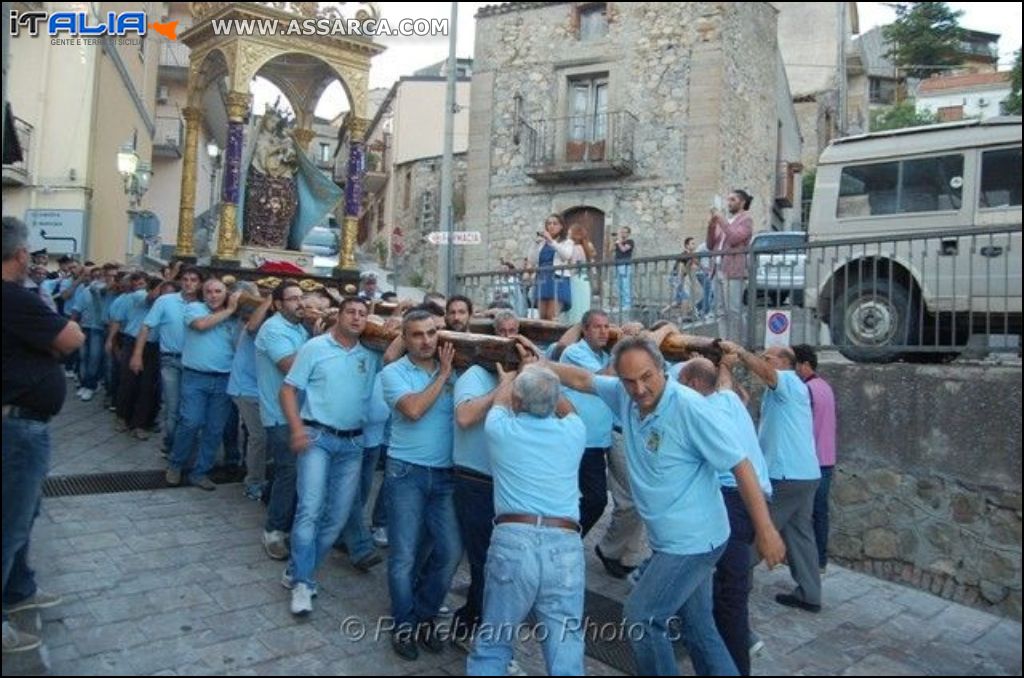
{"x":676,"y":447}
{"x":535,"y":560}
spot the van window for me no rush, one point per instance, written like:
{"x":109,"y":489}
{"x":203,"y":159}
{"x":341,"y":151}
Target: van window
{"x":919,"y":185}
{"x":1000,"y":178}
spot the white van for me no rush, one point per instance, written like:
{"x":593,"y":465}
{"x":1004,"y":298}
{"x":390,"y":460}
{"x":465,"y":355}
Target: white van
{"x":915,"y":237}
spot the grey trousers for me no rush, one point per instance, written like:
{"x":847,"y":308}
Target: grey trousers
{"x":625,"y":538}
{"x":792,"y":511}
{"x":256,"y":451}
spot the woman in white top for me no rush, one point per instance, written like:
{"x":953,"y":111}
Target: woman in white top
{"x":584,"y":252}
{"x":552,"y":249}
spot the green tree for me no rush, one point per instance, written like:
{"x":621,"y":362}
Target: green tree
{"x":903,"y":114}
{"x":1012,"y":103}
{"x":924,"y":38}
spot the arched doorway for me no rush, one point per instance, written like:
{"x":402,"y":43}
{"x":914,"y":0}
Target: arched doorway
{"x":591,"y":220}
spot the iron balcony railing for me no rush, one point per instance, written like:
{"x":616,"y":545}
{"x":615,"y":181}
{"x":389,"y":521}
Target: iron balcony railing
{"x":874,"y":299}
{"x":578,"y":146}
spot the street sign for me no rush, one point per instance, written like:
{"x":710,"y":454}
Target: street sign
{"x":59,"y":231}
{"x":458,"y":238}
{"x":777,"y":325}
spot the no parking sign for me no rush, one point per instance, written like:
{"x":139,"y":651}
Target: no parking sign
{"x":777,"y":325}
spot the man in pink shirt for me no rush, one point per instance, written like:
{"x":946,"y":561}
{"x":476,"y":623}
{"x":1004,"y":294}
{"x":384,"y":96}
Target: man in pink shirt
{"x":731,"y":233}
{"x":823,"y":411}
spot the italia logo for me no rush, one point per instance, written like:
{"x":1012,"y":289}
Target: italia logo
{"x":81,"y":24}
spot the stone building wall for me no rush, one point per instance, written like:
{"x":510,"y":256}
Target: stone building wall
{"x":705,"y":110}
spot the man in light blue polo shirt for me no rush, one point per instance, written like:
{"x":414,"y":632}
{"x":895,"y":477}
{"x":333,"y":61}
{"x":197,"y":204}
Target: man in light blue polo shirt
{"x":787,"y":438}
{"x":167,"y":317}
{"x":277,"y":344}
{"x":676,"y":446}
{"x":87,"y":307}
{"x":591,"y":354}
{"x":732,"y":572}
{"x":138,"y":392}
{"x":418,"y":388}
{"x":327,"y":436}
{"x":212,"y":330}
{"x":536,"y":552}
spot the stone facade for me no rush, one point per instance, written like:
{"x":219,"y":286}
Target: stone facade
{"x":417,"y":211}
{"x":700,"y":80}
{"x":930,"y":493}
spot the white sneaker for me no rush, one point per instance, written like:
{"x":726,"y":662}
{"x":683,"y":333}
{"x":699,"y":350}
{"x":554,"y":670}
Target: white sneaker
{"x":274,"y":545}
{"x":302,"y":600}
{"x":86,"y":394}
{"x":380,"y":536}
{"x":289,"y":583}
{"x":18,"y":641}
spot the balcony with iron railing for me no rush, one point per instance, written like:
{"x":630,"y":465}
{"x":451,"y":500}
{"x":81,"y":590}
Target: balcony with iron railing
{"x":580,"y":147}
{"x":16,"y":173}
{"x":169,"y":137}
{"x":174,"y":61}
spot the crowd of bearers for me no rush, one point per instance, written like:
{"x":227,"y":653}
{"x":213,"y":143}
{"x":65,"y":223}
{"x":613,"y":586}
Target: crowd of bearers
{"x":510,"y":468}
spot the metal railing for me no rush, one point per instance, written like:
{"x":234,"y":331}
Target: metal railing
{"x":873,"y":299}
{"x":579,"y":143}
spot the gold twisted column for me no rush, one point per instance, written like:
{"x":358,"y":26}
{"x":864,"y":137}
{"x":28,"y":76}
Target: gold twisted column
{"x":187,"y":201}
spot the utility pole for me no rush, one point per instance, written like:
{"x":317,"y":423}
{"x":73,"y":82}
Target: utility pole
{"x":447,"y":161}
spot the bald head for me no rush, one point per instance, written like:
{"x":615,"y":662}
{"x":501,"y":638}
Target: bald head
{"x":700,"y":375}
{"x":781,"y":357}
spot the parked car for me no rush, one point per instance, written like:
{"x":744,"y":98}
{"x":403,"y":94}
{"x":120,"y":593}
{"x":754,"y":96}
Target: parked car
{"x":323,"y":242}
{"x":915,"y":236}
{"x":781,"y":266}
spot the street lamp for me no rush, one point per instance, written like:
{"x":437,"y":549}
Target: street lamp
{"x":136,"y":174}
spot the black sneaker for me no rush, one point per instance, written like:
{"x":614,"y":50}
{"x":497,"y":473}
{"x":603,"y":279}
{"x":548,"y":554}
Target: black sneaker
{"x":611,"y":565}
{"x":429,"y":639}
{"x":366,"y":564}
{"x":404,"y":646}
{"x":789,"y":600}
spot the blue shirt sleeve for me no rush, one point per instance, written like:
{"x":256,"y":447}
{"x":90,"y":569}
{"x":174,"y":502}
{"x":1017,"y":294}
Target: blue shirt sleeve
{"x":711,"y":435}
{"x":298,"y":376}
{"x":611,"y":391}
{"x":274,"y":342}
{"x":471,"y":385}
{"x":580,"y":355}
{"x":497,"y":422}
{"x":395,"y":384}
{"x":195,"y":311}
{"x":155,"y":316}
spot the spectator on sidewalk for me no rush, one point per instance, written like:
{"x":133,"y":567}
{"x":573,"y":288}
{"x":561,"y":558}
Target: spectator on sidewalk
{"x":35,"y":340}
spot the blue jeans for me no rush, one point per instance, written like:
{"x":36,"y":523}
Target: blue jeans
{"x":421,"y":510}
{"x":379,"y":515}
{"x":676,"y":587}
{"x":474,"y":505}
{"x":732,"y":582}
{"x":624,"y":275}
{"x":821,"y":514}
{"x":26,"y":458}
{"x":205,"y":406}
{"x":92,"y":357}
{"x":281,"y":508}
{"x":532,"y":568}
{"x":356,"y":534}
{"x":170,"y":392}
{"x":327,"y":482}
{"x":707,"y":301}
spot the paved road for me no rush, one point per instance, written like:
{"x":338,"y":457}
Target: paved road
{"x":174,"y":581}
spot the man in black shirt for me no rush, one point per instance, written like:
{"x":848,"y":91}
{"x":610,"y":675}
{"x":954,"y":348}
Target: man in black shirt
{"x":624,"y":246}
{"x":35,"y":340}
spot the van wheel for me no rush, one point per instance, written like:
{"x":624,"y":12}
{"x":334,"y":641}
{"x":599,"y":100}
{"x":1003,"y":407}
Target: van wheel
{"x":874,"y":320}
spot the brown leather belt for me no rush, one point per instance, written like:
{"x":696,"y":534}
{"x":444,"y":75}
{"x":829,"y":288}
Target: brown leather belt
{"x":538,"y":521}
